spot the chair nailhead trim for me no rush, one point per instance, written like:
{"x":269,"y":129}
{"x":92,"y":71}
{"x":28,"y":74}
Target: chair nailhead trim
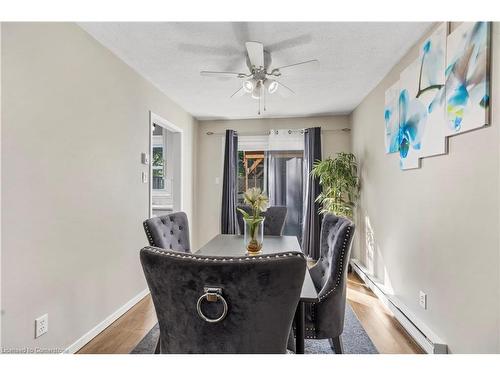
{"x":217,"y":259}
{"x":339,"y":276}
{"x":148,"y":234}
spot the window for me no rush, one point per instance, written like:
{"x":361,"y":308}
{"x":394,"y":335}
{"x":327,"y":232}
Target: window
{"x":251,"y":172}
{"x":158,"y":167}
{"x":273,"y":163}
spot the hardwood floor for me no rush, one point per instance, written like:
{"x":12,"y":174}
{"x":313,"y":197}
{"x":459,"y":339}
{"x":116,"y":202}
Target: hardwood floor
{"x":388,"y":336}
{"x":126,"y":332}
{"x":384,"y":330}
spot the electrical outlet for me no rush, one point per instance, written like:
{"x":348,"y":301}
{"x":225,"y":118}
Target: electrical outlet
{"x":41,"y":325}
{"x":422,"y":300}
{"x":144,"y":177}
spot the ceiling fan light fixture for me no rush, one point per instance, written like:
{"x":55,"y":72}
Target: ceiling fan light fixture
{"x":258,"y":82}
{"x":248,"y":85}
{"x":272,"y":86}
{"x":257,"y":91}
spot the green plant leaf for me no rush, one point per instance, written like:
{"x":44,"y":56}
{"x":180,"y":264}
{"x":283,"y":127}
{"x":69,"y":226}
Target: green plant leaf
{"x":340,"y":184}
{"x":244,"y":213}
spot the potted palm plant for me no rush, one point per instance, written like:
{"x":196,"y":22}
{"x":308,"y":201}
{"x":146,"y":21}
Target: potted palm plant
{"x":254,"y":222}
{"x":338,"y":178}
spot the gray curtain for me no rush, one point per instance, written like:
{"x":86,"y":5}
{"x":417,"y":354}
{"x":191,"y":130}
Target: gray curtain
{"x":311,"y":225}
{"x":229,"y":224}
{"x":284,"y":188}
{"x":294,"y":197}
{"x":276,"y":177}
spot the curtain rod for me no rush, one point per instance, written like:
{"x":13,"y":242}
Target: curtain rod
{"x":347,"y":130}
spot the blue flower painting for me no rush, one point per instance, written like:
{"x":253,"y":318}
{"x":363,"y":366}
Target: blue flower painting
{"x":445,"y":91}
{"x":421,"y":103}
{"x":391,"y":118}
{"x":431,"y":91}
{"x":412,"y":118}
{"x":467,"y":80}
{"x":413,"y":115}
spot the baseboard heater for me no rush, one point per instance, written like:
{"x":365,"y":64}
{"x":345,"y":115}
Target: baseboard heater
{"x":427,"y":340}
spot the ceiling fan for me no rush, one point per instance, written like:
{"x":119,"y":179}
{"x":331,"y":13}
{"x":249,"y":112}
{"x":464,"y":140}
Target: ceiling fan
{"x":261,"y":79}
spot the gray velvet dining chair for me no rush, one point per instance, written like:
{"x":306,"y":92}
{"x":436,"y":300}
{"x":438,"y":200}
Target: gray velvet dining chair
{"x":169,"y":232}
{"x":274,"y":222}
{"x":207,"y":304}
{"x":325,"y":319}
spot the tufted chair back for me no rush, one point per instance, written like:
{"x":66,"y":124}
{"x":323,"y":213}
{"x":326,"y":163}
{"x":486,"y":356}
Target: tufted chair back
{"x":169,"y":232}
{"x":329,"y":275}
{"x":189,"y":292}
{"x":274,"y":222}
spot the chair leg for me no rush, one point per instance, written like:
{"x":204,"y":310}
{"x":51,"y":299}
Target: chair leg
{"x":157,"y":349}
{"x":336,"y":344}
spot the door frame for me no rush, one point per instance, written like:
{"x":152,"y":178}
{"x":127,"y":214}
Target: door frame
{"x":158,"y":120}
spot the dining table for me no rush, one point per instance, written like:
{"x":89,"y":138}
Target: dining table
{"x":233,"y":245}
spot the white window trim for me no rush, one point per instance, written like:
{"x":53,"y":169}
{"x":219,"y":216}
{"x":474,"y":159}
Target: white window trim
{"x":156,"y":119}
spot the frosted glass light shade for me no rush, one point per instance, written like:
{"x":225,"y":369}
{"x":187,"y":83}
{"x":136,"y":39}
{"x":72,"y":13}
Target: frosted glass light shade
{"x":257,"y":91}
{"x":272,"y":86}
{"x":249,"y":85}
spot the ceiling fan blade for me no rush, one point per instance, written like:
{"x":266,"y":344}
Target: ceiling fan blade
{"x":289,"y":43}
{"x":207,"y":73}
{"x":304,"y":65}
{"x":255,"y":52}
{"x":287,"y":92}
{"x":238,"y":93}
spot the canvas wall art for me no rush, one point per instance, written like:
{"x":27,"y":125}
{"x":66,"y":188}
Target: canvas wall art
{"x":467,"y":77}
{"x":421,"y":102}
{"x":391,"y":117}
{"x":412,"y":118}
{"x":445,"y":91}
{"x":431,"y":92}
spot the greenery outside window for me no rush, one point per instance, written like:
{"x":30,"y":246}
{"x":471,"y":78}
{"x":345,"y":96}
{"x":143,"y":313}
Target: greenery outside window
{"x":158,"y":167}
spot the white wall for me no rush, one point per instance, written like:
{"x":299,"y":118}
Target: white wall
{"x":1,"y":304}
{"x":75,"y":120}
{"x":211,"y":159}
{"x":435,"y":229}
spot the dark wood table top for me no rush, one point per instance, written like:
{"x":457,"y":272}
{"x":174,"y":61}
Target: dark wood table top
{"x":233,"y":246}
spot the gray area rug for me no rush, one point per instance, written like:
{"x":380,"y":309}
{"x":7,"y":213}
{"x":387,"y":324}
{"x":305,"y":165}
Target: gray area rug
{"x":355,"y":339}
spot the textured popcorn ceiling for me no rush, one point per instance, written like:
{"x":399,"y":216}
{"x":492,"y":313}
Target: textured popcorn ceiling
{"x":353,"y":57}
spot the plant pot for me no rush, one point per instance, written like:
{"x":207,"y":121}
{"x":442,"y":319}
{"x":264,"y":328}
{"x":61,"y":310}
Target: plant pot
{"x":254,"y":235}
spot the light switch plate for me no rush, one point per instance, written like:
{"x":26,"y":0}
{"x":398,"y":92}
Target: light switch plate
{"x":145,"y":158}
{"x":422,"y":300}
{"x":144,"y":177}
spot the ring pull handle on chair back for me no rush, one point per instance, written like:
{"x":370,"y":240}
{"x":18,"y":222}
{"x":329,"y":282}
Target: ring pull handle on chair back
{"x":212,"y":294}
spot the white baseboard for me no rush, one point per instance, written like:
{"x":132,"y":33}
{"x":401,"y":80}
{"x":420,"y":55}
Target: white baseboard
{"x":422,"y":335}
{"x":85,"y":339}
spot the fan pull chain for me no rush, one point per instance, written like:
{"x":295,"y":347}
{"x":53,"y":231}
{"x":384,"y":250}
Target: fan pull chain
{"x":259,"y":105}
{"x":264,"y":91}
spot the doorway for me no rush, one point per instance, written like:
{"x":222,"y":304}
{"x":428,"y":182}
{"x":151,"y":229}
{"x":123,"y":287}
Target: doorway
{"x":165,"y":172}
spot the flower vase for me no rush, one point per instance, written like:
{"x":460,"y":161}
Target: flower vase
{"x":254,"y":235}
